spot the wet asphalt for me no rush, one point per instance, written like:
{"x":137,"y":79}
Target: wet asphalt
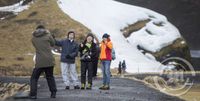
{"x":122,"y":89}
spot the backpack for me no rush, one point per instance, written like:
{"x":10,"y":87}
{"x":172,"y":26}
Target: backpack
{"x":113,"y":54}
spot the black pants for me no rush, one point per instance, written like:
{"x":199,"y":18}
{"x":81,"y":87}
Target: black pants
{"x":95,"y":66}
{"x":49,"y":76}
{"x":86,"y":67}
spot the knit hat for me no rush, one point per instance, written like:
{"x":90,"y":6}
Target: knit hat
{"x":106,"y":35}
{"x":40,"y":27}
{"x":90,"y":34}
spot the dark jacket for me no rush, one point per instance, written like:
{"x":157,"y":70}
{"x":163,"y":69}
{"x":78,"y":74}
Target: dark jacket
{"x":98,"y":50}
{"x":69,"y":50}
{"x":92,"y":52}
{"x":43,"y":41}
{"x":124,"y":65}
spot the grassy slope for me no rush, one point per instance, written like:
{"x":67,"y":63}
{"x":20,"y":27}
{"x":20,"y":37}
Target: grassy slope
{"x":192,"y":94}
{"x":16,"y":33}
{"x":8,"y":2}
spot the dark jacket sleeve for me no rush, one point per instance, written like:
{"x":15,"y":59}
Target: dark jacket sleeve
{"x":59,"y":42}
{"x":98,"y":50}
{"x":52,"y":41}
{"x":94,"y":51}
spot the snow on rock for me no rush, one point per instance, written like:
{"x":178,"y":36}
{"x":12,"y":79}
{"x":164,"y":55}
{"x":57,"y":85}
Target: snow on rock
{"x":150,"y":56}
{"x":109,"y":16}
{"x":160,"y":36}
{"x":16,"y":8}
{"x":2,"y":18}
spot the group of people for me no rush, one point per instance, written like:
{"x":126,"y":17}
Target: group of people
{"x":90,"y":53}
{"x":122,"y":67}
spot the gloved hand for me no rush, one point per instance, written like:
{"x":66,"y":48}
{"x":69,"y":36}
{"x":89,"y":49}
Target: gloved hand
{"x":68,"y":56}
{"x":53,"y":36}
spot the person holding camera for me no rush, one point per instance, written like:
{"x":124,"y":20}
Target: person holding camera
{"x":106,"y":58}
{"x":43,"y":41}
{"x":87,"y":51}
{"x":68,"y":54}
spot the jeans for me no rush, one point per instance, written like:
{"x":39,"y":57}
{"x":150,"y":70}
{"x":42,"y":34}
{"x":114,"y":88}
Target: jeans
{"x":106,"y":72}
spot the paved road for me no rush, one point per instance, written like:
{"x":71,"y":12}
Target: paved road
{"x":121,"y":90}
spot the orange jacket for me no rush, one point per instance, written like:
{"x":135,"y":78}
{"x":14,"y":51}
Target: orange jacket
{"x":106,"y":50}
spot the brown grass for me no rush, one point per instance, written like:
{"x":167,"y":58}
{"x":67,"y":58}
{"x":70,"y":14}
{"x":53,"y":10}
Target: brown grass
{"x":127,"y":31}
{"x":191,"y":95}
{"x":16,"y":32}
{"x":10,"y":89}
{"x":8,"y":2}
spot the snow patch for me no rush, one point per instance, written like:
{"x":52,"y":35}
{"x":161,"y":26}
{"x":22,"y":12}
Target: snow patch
{"x":16,"y":8}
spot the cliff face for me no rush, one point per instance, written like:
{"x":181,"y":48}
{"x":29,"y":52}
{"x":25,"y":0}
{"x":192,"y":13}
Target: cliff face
{"x":184,"y":14}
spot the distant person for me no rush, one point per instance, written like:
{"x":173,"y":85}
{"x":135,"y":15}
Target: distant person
{"x":87,"y":55}
{"x":44,"y":61}
{"x":96,"y":59}
{"x":120,"y":68}
{"x":124,"y":66}
{"x":106,"y":57}
{"x":68,"y":54}
{"x":113,"y":58}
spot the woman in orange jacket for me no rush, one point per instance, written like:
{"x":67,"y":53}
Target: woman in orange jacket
{"x":106,"y":57}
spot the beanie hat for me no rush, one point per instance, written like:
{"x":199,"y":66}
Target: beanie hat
{"x":90,"y":34}
{"x":106,"y":35}
{"x":40,"y":27}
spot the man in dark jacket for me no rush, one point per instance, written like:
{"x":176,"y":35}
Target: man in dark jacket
{"x":124,"y":67}
{"x":43,"y":41}
{"x":68,"y":55}
{"x":119,"y":68}
{"x":96,"y":59}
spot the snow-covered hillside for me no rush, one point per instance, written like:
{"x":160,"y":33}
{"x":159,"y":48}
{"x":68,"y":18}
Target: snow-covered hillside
{"x":108,"y":16}
{"x":15,"y":8}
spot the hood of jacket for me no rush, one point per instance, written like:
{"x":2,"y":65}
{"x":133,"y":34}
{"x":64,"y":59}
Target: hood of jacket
{"x":40,"y":32}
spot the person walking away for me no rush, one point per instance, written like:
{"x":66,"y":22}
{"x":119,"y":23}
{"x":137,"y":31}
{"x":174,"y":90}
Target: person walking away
{"x":68,"y":54}
{"x":120,"y":68}
{"x":87,"y":55}
{"x":106,"y":57}
{"x":123,"y":67}
{"x":43,"y":41}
